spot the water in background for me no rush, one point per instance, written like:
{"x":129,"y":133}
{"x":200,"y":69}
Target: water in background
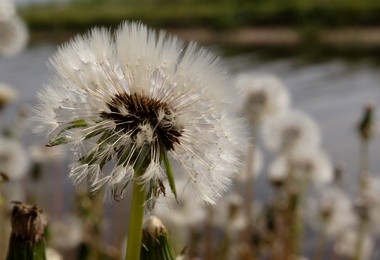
{"x":333,"y":92}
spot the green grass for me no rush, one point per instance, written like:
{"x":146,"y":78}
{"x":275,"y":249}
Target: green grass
{"x":213,"y":14}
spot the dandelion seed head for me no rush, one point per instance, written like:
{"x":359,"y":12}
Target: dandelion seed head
{"x":7,"y":9}
{"x":346,"y":244}
{"x":311,"y":166}
{"x":230,"y":214}
{"x":14,"y":161}
{"x":294,"y":131}
{"x":127,"y":99}
{"x":13,"y":36}
{"x":331,"y":210}
{"x":264,"y":96}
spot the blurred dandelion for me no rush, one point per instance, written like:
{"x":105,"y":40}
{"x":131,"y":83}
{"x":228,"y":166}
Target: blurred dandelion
{"x":136,"y":100}
{"x":346,"y":245}
{"x":7,"y":95}
{"x":14,"y":161}
{"x":183,"y":219}
{"x":13,"y":36}
{"x":330,"y":214}
{"x":310,"y":166}
{"x":264,"y":97}
{"x":7,"y":9}
{"x":67,"y":232}
{"x":290,"y":132}
{"x":52,"y":254}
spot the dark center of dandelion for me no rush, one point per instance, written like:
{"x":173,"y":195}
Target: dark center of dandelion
{"x":131,"y":112}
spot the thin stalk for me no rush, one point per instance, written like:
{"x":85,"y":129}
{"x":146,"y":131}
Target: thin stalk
{"x":359,"y":240}
{"x":249,"y":184}
{"x":363,"y":174}
{"x":294,"y":221}
{"x":209,"y":253}
{"x":136,"y":223}
{"x":248,"y":198}
{"x":320,"y":249}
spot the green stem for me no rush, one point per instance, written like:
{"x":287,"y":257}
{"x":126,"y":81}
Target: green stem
{"x":136,"y":223}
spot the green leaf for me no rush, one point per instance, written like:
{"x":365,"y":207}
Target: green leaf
{"x":169,"y":172}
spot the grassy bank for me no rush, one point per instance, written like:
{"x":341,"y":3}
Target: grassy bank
{"x":302,"y":14}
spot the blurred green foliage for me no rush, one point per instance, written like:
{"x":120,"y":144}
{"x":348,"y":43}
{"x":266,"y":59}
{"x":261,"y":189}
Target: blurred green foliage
{"x":218,"y":14}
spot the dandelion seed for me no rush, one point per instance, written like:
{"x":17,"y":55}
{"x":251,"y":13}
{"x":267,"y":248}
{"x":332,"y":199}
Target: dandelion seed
{"x":140,"y":100}
{"x":13,"y":36}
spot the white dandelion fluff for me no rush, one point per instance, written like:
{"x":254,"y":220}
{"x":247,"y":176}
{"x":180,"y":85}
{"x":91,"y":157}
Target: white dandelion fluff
{"x":14,"y":160}
{"x":331,"y":211}
{"x":52,"y":254}
{"x":13,"y":36}
{"x":264,"y":96}
{"x":66,"y":232}
{"x":139,"y":100}
{"x":346,"y":245}
{"x":7,"y":9}
{"x":291,"y":132}
{"x":230,"y":213}
{"x":312,"y":166}
{"x":43,"y":154}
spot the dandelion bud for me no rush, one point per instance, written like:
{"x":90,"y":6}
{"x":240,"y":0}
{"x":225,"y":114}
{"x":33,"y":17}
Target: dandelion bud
{"x":155,"y":240}
{"x":366,"y":124}
{"x":27,"y":239}
{"x":7,"y":95}
{"x":338,"y":174}
{"x":3,"y":177}
{"x":362,"y":208}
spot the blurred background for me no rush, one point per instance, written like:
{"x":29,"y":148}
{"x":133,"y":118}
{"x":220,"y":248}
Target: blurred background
{"x":325,"y":53}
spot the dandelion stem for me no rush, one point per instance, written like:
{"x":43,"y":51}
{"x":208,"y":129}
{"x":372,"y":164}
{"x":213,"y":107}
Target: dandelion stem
{"x":136,"y":223}
{"x":363,"y":174}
